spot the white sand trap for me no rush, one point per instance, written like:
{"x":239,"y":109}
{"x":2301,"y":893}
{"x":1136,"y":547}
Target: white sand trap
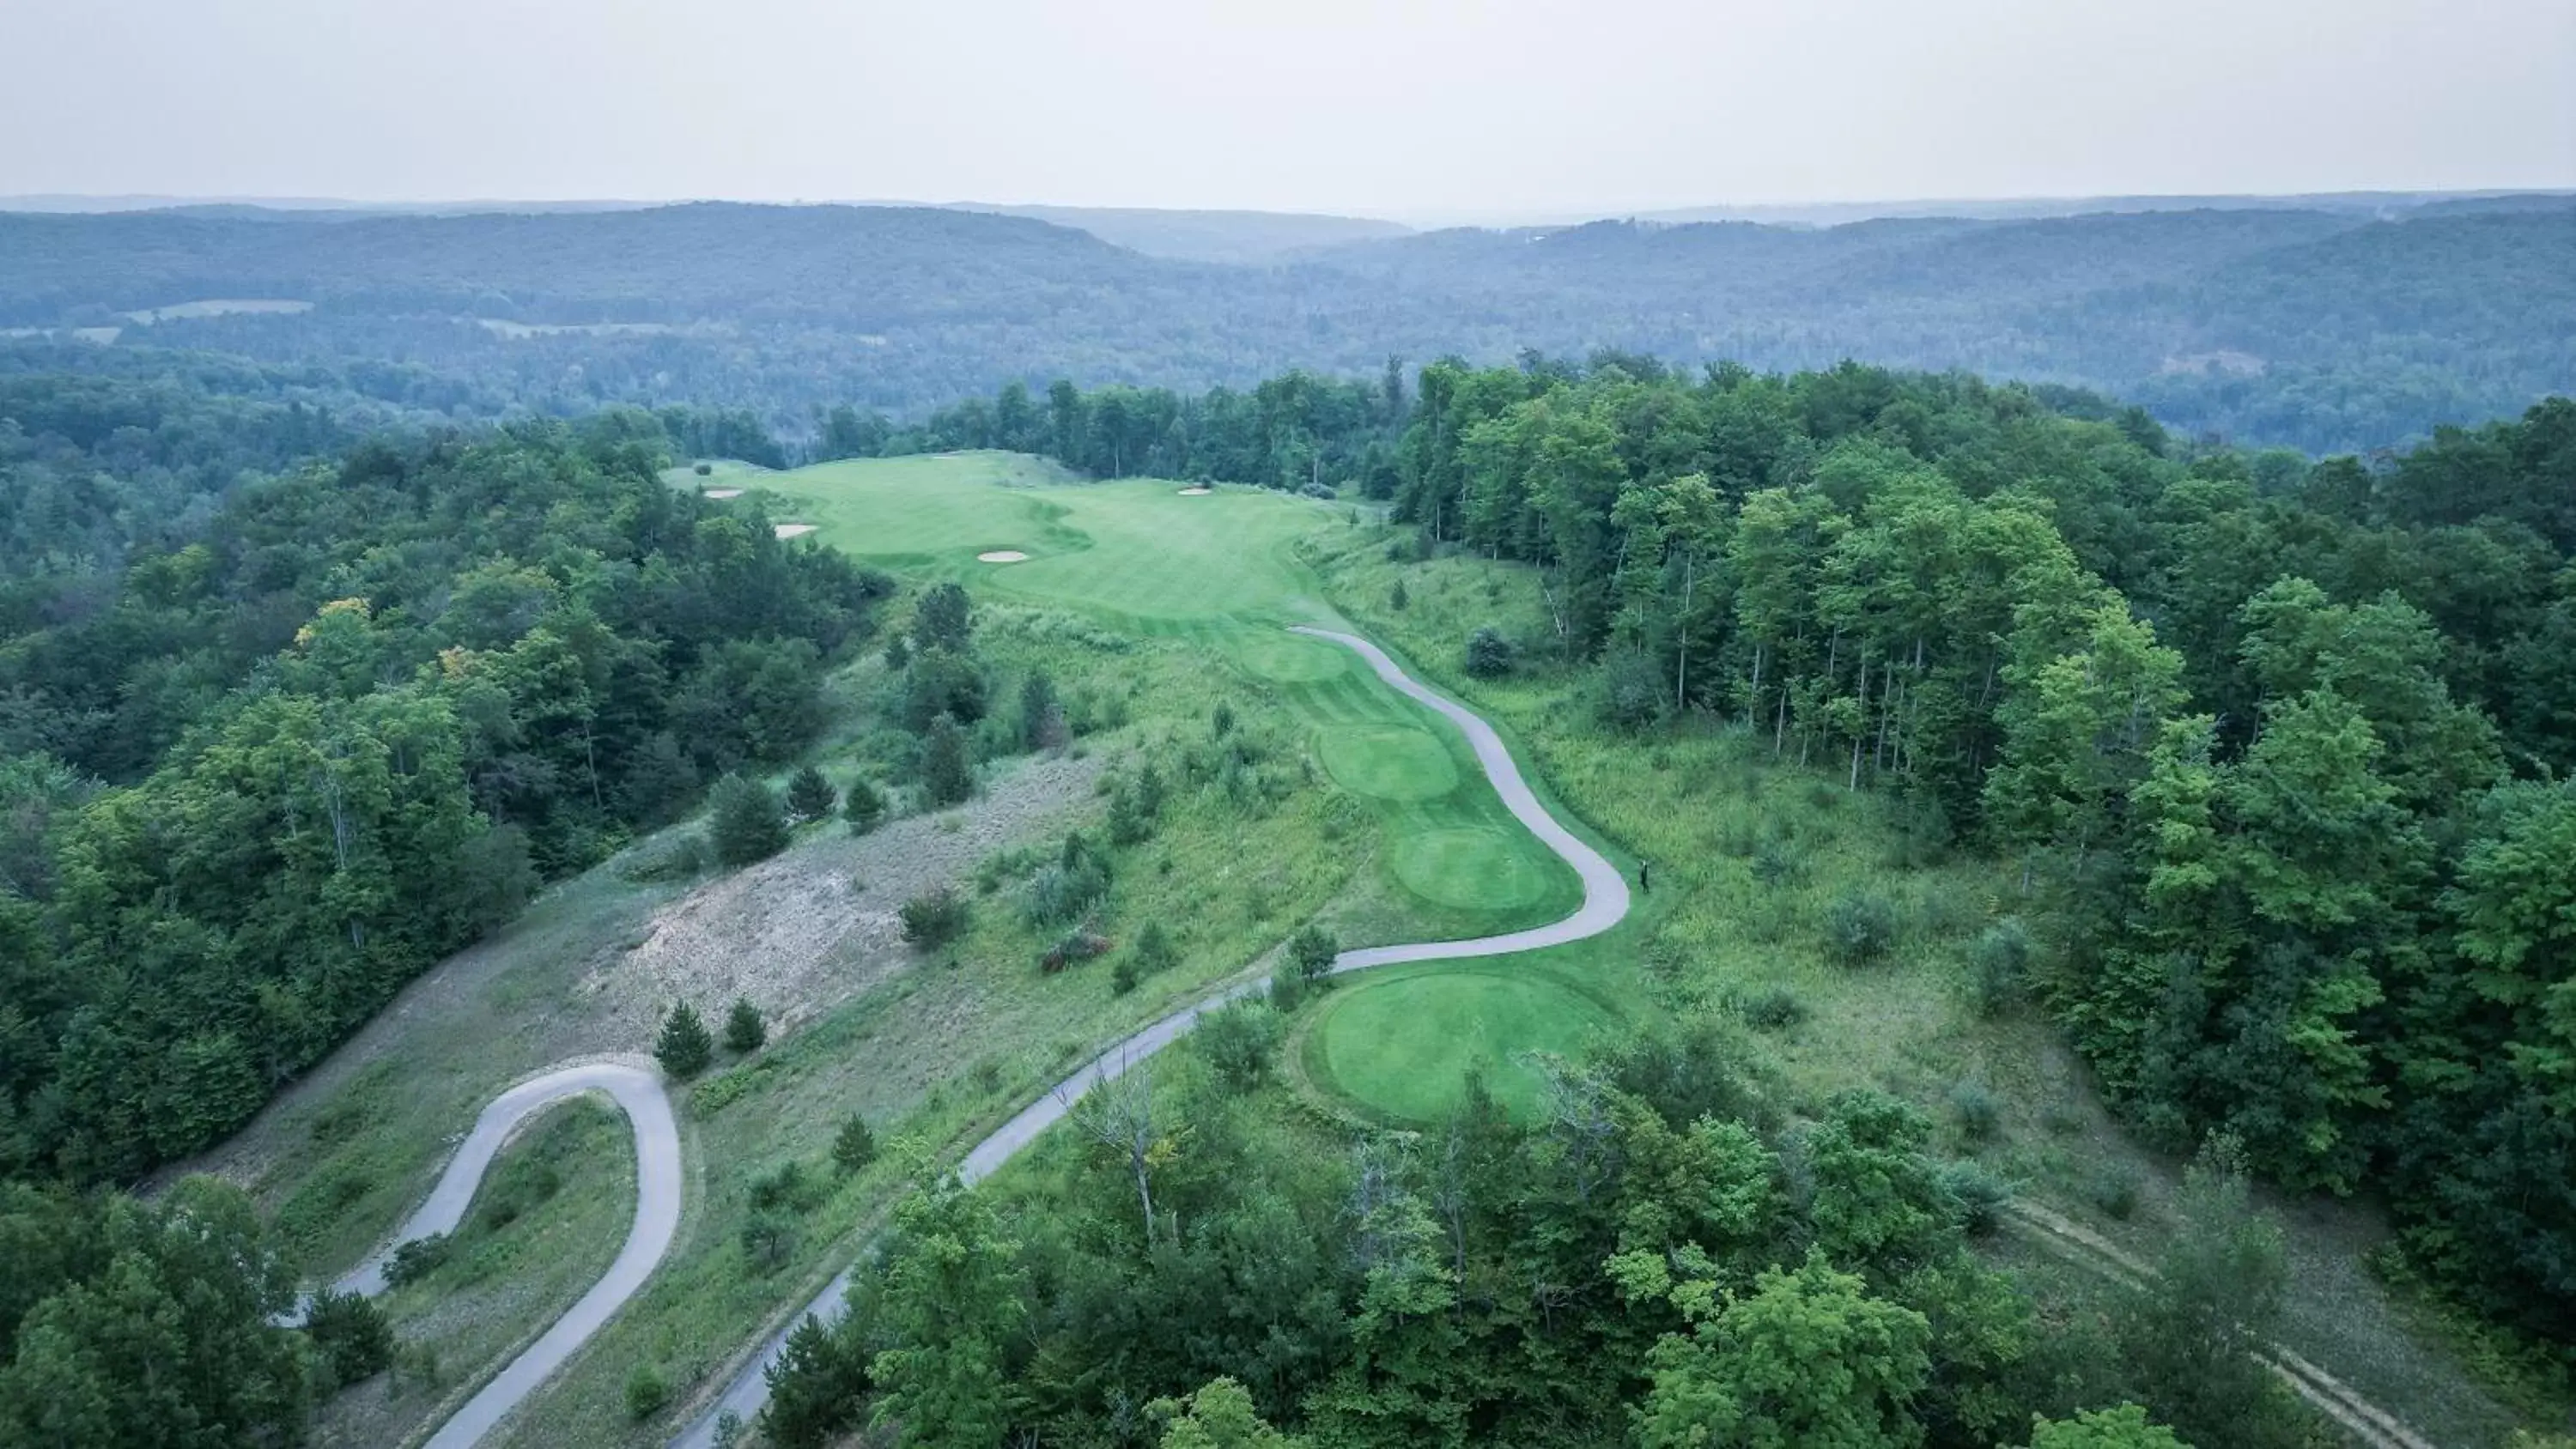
{"x":1196,"y":492}
{"x":724,"y":493}
{"x":794,"y":530}
{"x":1002,"y":555}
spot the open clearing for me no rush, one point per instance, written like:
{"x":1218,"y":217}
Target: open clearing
{"x":219,"y":307}
{"x":733,"y":475}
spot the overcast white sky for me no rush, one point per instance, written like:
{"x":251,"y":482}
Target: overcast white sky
{"x":1434,"y":109}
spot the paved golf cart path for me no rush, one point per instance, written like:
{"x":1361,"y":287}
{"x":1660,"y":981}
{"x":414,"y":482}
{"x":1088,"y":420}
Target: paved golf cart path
{"x":1605,"y":904}
{"x":637,"y":1090}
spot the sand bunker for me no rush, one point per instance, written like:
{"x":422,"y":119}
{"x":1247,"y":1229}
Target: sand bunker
{"x":724,"y":493}
{"x":1001,"y":555}
{"x":1196,"y":492}
{"x":794,"y":530}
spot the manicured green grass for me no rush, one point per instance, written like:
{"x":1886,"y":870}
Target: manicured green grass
{"x":1402,"y":1043}
{"x":1386,"y":762}
{"x":721,"y":473}
{"x":1134,"y":550}
{"x":1469,"y":869}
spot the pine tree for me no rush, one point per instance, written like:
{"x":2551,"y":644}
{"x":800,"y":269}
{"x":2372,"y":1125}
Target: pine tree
{"x":744,"y":1030}
{"x":684,"y":1048}
{"x":810,"y":796}
{"x":856,"y":1146}
{"x":863,"y":807}
{"x":947,"y":767}
{"x":1038,"y":710}
{"x":944,"y":619}
{"x":748,"y":823}
{"x":1399,"y":600}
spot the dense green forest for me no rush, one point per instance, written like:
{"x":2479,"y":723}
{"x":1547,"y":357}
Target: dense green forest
{"x":266,"y":776}
{"x":2283,"y":747}
{"x":2320,"y":329}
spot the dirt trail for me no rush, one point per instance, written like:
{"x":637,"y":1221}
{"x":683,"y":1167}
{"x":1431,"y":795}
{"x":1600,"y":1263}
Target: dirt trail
{"x":2080,"y":1245}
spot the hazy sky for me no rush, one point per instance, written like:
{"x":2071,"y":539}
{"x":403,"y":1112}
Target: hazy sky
{"x":1419,"y":110}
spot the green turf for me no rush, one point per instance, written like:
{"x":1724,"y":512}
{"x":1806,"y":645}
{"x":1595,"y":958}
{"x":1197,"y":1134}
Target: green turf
{"x":1288,"y":659}
{"x":1134,"y":550}
{"x":1403,"y":1043}
{"x":1388,"y":762}
{"x":1469,"y":869}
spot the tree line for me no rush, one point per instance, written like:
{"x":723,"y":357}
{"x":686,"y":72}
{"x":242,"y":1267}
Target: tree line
{"x":2285,"y":746}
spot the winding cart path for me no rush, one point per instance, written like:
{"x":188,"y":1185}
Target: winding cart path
{"x":637,"y":1091}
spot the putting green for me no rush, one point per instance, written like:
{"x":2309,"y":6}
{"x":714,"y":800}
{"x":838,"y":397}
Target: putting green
{"x":1390,"y":762}
{"x":1469,"y":869}
{"x":1402,"y":1046}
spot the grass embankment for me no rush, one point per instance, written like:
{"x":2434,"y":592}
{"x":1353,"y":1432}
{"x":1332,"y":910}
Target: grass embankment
{"x":1751,"y":857}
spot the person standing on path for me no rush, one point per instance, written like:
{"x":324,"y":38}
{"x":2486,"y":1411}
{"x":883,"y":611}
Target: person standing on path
{"x":1645,"y":870}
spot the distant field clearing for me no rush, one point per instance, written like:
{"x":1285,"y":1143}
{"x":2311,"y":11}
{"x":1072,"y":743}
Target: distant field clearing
{"x":1002,"y":555}
{"x":218,"y":307}
{"x":793,"y":530}
{"x":724,"y":493}
{"x":1196,"y":492}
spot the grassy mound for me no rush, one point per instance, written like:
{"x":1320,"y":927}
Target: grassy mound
{"x":1402,"y":1044}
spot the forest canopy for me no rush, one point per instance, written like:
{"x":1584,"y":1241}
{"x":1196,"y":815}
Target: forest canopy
{"x":255,"y":783}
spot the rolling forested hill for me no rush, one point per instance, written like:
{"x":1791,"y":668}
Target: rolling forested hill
{"x":2319,"y":328}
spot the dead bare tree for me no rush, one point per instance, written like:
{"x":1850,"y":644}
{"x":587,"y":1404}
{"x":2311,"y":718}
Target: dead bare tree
{"x":1117,"y":1111}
